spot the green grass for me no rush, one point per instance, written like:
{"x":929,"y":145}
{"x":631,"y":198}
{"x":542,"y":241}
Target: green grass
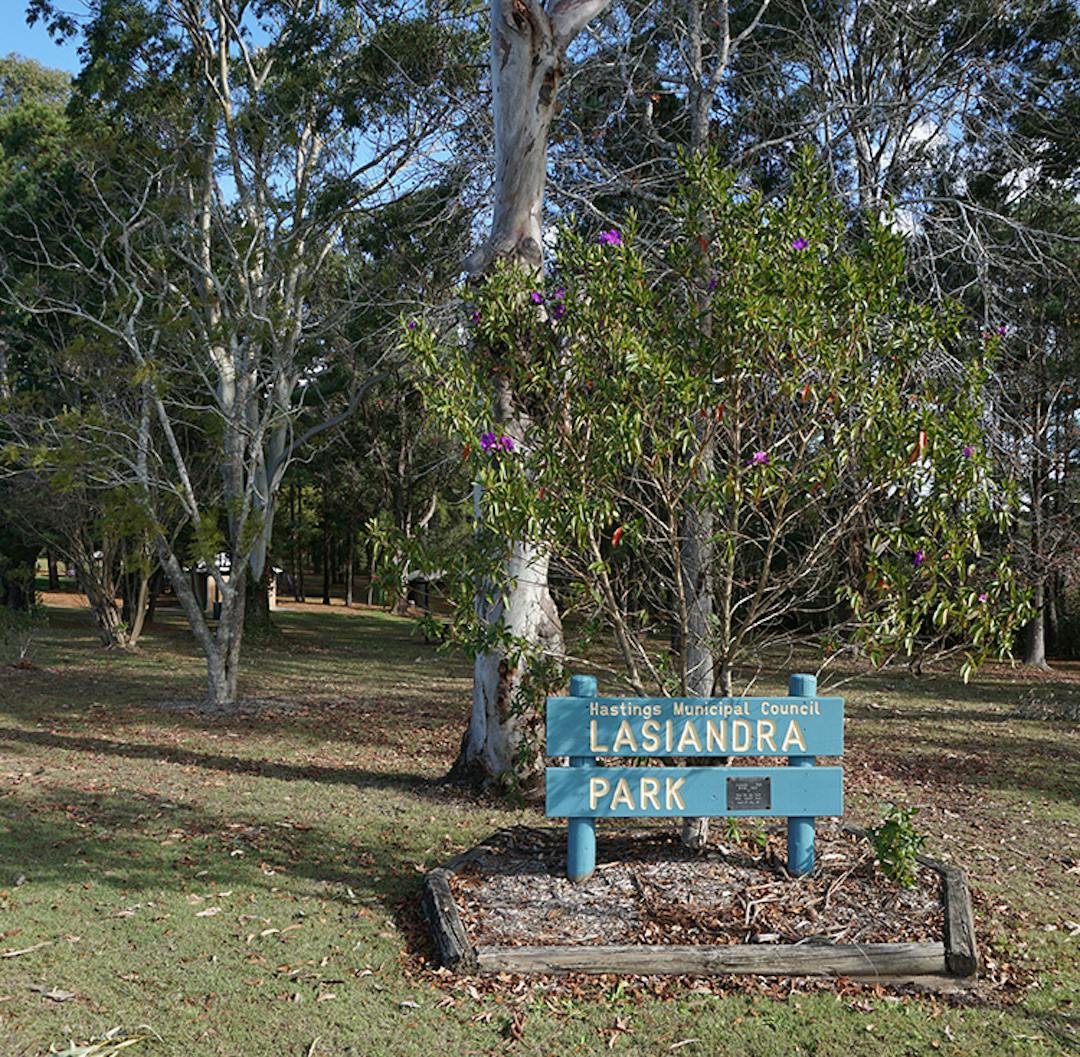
{"x":249,"y":886}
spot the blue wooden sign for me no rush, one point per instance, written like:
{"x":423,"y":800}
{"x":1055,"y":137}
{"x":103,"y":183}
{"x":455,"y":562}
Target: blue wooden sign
{"x":800,"y":726}
{"x":695,"y":726}
{"x":669,"y":792}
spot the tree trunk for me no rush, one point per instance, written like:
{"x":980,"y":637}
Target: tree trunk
{"x":297,"y":547}
{"x":350,"y":569}
{"x":504,"y":724}
{"x":503,"y":742}
{"x":97,"y":581}
{"x":220,"y":647}
{"x":698,"y":526}
{"x":327,"y":571}
{"x":371,"y":575}
{"x":1035,"y":632}
{"x":257,"y":620}
{"x":54,"y":573}
{"x":154,"y":591}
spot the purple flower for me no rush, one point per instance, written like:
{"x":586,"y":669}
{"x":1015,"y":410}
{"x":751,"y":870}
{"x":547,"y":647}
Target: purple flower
{"x":918,"y":557}
{"x":983,"y":597}
{"x":506,"y":444}
{"x":474,"y":316}
{"x":488,"y":441}
{"x":412,"y":324}
{"x":1002,"y":331}
{"x":537,"y":297}
{"x":559,"y":294}
{"x":711,"y":284}
{"x":968,"y":451}
{"x":759,"y":458}
{"x":558,"y":310}
{"x":611,"y":238}
{"x":799,"y":244}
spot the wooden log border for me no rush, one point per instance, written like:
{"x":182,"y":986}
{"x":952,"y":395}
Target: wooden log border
{"x":956,"y":958}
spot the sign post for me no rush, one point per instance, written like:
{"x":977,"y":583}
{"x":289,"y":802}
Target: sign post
{"x":585,"y":727}
{"x":800,"y":828}
{"x":581,"y":835}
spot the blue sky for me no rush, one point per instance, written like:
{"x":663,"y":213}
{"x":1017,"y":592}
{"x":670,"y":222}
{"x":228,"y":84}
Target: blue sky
{"x":35,"y":42}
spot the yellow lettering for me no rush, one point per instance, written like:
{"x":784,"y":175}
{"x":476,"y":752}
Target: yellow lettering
{"x":670,"y":734}
{"x":766,"y":734}
{"x":598,"y":789}
{"x":594,"y":744}
{"x":793,"y":737}
{"x":740,"y":735}
{"x":622,"y":795}
{"x":650,"y":793}
{"x":650,"y":735}
{"x":716,"y":735}
{"x":625,"y":737}
{"x":671,"y":794}
{"x":689,"y":737}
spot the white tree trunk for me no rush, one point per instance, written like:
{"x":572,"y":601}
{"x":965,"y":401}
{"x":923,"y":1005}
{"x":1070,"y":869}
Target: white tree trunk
{"x":528,"y":43}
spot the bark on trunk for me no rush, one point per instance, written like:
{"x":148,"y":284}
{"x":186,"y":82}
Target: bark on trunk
{"x":297,"y":546}
{"x":528,"y":43}
{"x":220,"y":647}
{"x":54,"y":573}
{"x":1035,"y":633}
{"x":350,"y":570}
{"x":257,"y":620}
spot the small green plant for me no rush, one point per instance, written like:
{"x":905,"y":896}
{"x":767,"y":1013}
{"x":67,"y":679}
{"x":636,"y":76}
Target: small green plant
{"x":897,"y":843}
{"x":732,"y":831}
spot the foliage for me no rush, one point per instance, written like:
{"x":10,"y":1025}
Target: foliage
{"x":897,"y":844}
{"x":769,"y":369}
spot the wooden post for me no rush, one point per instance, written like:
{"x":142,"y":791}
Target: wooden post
{"x":581,"y":834}
{"x":800,"y":829}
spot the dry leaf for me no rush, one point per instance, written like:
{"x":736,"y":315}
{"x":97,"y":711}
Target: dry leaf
{"x":56,"y":994}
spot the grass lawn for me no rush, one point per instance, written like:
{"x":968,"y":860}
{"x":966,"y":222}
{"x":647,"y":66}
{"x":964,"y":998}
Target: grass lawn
{"x":250,"y":885}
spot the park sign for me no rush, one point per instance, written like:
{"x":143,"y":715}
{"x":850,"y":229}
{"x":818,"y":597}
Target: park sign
{"x":800,"y":726}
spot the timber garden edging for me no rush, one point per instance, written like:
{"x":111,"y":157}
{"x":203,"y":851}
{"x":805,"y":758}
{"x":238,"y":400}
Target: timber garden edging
{"x":955,"y":958}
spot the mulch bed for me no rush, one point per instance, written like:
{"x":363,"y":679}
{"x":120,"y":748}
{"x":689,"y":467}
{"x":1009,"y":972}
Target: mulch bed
{"x":648,"y":889}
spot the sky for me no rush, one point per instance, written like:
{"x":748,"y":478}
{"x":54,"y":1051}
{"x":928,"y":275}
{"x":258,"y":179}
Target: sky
{"x":34,"y":43}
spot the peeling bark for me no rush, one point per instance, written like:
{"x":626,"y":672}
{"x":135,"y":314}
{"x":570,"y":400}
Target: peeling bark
{"x":528,"y":44}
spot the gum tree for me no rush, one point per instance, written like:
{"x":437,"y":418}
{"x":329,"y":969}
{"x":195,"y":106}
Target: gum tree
{"x":529,"y":42}
{"x":238,"y":140}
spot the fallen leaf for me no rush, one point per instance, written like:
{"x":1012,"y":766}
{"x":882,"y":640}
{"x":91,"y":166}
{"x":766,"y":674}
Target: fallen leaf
{"x":56,"y":994}
{"x":26,"y":950}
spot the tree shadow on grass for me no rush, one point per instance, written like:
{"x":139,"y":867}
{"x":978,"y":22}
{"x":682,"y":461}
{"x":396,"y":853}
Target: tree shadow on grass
{"x":361,"y":778}
{"x":378,"y":711}
{"x":136,"y":842}
{"x":993,"y":759}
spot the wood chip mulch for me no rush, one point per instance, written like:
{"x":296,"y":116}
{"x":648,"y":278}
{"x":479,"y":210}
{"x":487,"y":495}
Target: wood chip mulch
{"x":648,"y":889}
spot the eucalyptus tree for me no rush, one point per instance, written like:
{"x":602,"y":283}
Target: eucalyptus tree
{"x":597,"y":47}
{"x":528,"y":47}
{"x":242,"y":138}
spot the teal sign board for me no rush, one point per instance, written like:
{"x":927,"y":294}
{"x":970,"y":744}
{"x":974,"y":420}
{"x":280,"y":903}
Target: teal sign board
{"x":800,"y":726}
{"x":668,"y":792}
{"x":695,"y":726}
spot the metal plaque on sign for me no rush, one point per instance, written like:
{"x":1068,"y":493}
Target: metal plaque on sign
{"x":749,"y":794}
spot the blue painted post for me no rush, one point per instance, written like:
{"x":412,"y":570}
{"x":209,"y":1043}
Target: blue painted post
{"x":581,"y":835}
{"x":800,"y":829}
